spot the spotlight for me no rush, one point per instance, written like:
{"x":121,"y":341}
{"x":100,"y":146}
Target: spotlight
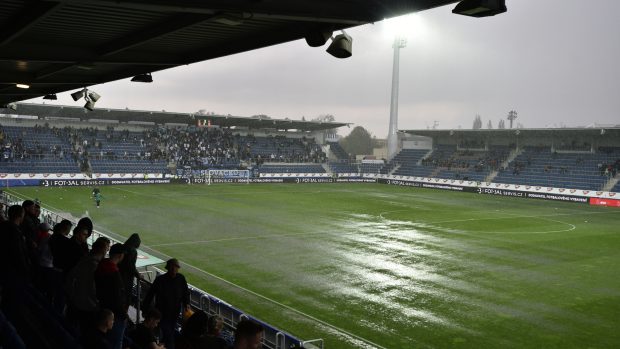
{"x":90,"y":105}
{"x":11,"y":106}
{"x":51,"y":97}
{"x":341,"y":46}
{"x":318,"y":37}
{"x":143,"y":78}
{"x":78,"y":94}
{"x":92,"y":96}
{"x":480,"y":8}
{"x":24,"y":86}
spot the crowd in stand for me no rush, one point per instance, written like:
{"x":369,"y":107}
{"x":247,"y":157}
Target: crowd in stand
{"x":195,"y":147}
{"x":466,"y":160}
{"x":56,"y":292}
{"x":609,"y":169}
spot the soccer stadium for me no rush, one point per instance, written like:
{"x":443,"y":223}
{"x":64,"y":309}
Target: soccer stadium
{"x":126,"y":228}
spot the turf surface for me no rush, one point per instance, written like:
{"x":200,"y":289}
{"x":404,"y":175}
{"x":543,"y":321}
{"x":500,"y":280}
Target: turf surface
{"x":369,"y":265}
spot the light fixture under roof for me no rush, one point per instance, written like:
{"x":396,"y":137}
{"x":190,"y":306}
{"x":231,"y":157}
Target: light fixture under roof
{"x":78,"y":94}
{"x":24,"y":86}
{"x":91,"y":97}
{"x":480,"y":8}
{"x":143,"y":78}
{"x":11,"y":106}
{"x":341,"y":46}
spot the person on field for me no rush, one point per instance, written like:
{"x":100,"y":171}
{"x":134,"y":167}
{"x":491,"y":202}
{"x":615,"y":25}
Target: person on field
{"x":98,"y":198}
{"x":171,"y":295}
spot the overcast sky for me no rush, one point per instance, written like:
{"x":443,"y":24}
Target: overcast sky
{"x":556,"y":62}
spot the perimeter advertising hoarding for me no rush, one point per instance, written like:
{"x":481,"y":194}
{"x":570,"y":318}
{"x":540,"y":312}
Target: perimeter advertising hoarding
{"x":605,"y":202}
{"x":102,"y":182}
{"x":135,"y":181}
{"x":479,"y":190}
{"x":488,"y":191}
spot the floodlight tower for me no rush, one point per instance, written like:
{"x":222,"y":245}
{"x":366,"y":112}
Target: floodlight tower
{"x":399,"y":43}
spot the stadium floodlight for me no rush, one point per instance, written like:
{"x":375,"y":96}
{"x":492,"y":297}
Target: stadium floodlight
{"x":23,"y":86}
{"x":318,"y":37}
{"x":51,"y":97}
{"x":90,"y":105}
{"x":341,"y":46}
{"x":480,"y":8}
{"x":143,"y":78}
{"x":11,"y":106}
{"x":78,"y":94}
{"x":92,"y":96}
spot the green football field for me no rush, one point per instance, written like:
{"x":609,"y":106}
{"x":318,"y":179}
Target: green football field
{"x":370,"y":265}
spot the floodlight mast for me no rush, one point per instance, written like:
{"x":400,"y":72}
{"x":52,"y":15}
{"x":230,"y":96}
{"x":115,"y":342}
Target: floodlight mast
{"x":399,"y":43}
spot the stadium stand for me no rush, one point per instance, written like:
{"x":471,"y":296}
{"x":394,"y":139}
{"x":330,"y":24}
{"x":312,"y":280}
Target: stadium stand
{"x":366,"y":167}
{"x":344,"y":167}
{"x":539,"y":166}
{"x":405,"y":156}
{"x":291,"y":168}
{"x":36,"y":150}
{"x":280,"y":149}
{"x":338,"y":151}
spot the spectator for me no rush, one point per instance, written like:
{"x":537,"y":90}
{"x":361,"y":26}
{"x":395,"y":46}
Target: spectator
{"x":146,"y":334}
{"x":248,"y":335}
{"x":78,"y":248}
{"x":31,"y":220}
{"x":86,"y":223}
{"x":29,"y":228}
{"x":194,"y":332}
{"x":96,"y":337}
{"x":2,"y":215}
{"x":214,"y":330}
{"x":15,"y":267}
{"x":127,"y":266}
{"x":60,"y":245}
{"x":171,"y":293}
{"x":81,"y":287}
{"x":111,"y":293}
{"x":50,"y":278}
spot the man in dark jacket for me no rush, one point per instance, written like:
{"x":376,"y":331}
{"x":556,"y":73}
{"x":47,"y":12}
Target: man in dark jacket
{"x":78,"y":248}
{"x":127,"y":266}
{"x":60,"y":244}
{"x":81,"y":288}
{"x":95,"y":337}
{"x":171,"y":296}
{"x":111,"y":293}
{"x":15,"y":266}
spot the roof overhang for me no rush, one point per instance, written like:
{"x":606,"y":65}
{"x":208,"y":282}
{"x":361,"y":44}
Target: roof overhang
{"x":61,"y":45}
{"x":51,"y":112}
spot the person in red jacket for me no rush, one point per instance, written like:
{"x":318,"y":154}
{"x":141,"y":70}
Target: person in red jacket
{"x":112,"y":294}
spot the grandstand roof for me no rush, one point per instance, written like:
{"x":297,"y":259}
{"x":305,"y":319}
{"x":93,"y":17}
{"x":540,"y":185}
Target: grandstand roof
{"x":162,"y":117}
{"x":609,"y":131}
{"x":62,"y":45}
